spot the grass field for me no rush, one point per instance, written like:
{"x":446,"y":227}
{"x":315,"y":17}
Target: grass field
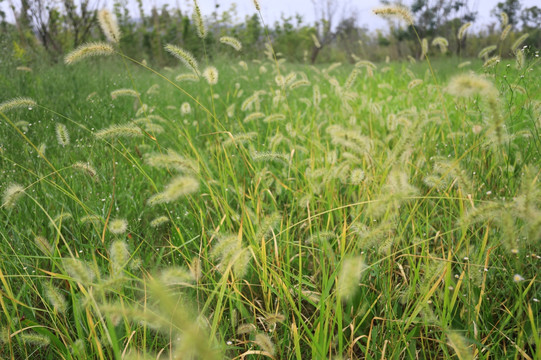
{"x":376,"y":211}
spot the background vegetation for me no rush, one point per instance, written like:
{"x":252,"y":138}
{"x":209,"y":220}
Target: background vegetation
{"x":46,"y":30}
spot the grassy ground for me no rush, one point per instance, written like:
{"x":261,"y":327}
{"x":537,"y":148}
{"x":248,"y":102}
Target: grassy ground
{"x":367,"y":216}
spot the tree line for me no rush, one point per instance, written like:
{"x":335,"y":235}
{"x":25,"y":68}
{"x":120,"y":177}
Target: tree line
{"x":47,"y":29}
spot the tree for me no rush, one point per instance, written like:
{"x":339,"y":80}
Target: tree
{"x":511,"y":8}
{"x":325,"y":11}
{"x":80,"y":22}
{"x":531,"y":18}
{"x":432,"y":16}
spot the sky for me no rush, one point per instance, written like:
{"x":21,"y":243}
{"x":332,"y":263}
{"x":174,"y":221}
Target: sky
{"x":272,"y":10}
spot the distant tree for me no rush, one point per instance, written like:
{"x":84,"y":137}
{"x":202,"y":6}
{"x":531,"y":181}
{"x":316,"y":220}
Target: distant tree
{"x":531,"y":17}
{"x":80,"y":19}
{"x":511,"y":8}
{"x":432,"y":16}
{"x":325,"y":11}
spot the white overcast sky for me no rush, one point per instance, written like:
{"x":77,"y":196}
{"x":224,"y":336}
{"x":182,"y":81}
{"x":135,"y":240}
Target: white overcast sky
{"x":273,"y":9}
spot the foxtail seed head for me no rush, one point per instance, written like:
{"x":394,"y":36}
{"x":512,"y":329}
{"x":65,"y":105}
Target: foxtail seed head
{"x":87,"y":50}
{"x":56,"y":299}
{"x":505,"y":32}
{"x":424,"y":47}
{"x":86,"y":168}
{"x":518,"y":42}
{"x":124,"y":92}
{"x":119,"y":255}
{"x":467,"y":85}
{"x":179,"y":186}
{"x":115,"y":131}
{"x":184,"y":56}
{"x":17,"y":103}
{"x":109,"y":26}
{"x":265,"y":343}
{"x":442,"y":43}
{"x":231,"y":41}
{"x":462,"y":30}
{"x":187,"y":77}
{"x":396,"y":11}
{"x":11,"y":195}
{"x":118,"y":226}
{"x":198,"y":20}
{"x":159,"y":221}
{"x":78,"y":270}
{"x":62,"y":134}
{"x":504,"y":18}
{"x":211,"y":75}
{"x":43,"y":245}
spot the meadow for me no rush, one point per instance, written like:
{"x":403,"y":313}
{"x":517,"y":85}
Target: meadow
{"x":267,"y":209}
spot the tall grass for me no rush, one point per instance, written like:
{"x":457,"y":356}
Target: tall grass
{"x":276,"y":210}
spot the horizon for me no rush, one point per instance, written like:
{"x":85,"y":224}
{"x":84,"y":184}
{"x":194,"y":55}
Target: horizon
{"x":275,"y":10}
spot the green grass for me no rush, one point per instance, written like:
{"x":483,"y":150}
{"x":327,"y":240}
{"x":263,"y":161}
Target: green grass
{"x":379,"y":222}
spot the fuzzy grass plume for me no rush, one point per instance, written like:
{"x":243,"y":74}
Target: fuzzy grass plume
{"x":187,"y":77}
{"x":116,"y":131}
{"x":159,"y":221}
{"x":86,"y":168}
{"x":467,"y":85}
{"x":231,"y":41}
{"x":184,"y":56}
{"x":118,"y":226}
{"x":17,"y":103}
{"x":55,"y":298}
{"x":124,"y":92}
{"x":462,"y":30}
{"x":211,"y":75}
{"x":179,"y":186}
{"x":62,"y":134}
{"x":516,"y":44}
{"x":109,"y":26}
{"x":442,"y":43}
{"x":12,"y":193}
{"x":198,"y":21}
{"x":88,"y":50}
{"x":349,"y":277}
{"x":396,"y":11}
